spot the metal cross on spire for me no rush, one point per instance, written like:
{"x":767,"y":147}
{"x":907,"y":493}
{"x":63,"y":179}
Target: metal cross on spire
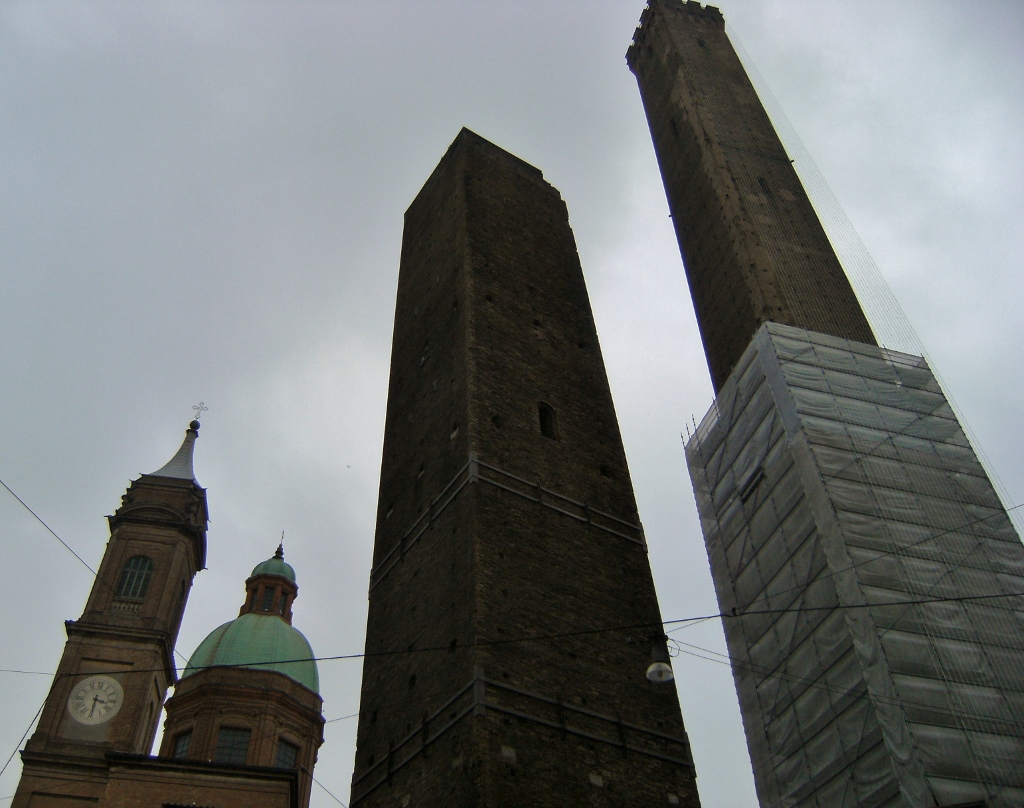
{"x":200,"y":408}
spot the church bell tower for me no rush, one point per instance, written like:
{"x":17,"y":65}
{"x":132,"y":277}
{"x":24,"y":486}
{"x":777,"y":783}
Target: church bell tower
{"x":118,"y":661}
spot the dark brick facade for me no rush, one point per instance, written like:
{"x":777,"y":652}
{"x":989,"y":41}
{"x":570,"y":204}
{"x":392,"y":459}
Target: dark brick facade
{"x":511,"y":608}
{"x":752,"y":245}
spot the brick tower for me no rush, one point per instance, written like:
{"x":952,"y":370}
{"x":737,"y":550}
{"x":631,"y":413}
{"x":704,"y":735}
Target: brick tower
{"x":754,"y":249}
{"x":512,"y":613}
{"x":110,"y":685}
{"x":871,"y":577}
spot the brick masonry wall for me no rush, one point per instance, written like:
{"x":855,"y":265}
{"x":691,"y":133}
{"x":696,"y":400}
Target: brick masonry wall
{"x":165,"y":520}
{"x":145,"y":785}
{"x":753,"y":248}
{"x":129,"y":781}
{"x":272,"y":705}
{"x":492,"y":320}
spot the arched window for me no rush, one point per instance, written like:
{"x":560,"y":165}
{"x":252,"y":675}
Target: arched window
{"x":134,"y":579}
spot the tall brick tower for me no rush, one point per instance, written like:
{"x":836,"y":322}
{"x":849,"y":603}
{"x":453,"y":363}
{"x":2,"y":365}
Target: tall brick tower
{"x":754,"y":249}
{"x":872,"y":580}
{"x":512,"y":613}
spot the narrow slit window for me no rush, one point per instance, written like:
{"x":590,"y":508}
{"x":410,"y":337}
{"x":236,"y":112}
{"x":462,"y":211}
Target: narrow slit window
{"x":268,"y":600}
{"x":548,"y":420}
{"x":750,"y":485}
{"x":282,"y":603}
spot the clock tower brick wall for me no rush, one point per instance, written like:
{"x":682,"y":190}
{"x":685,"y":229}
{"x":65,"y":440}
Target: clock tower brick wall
{"x":124,"y":634}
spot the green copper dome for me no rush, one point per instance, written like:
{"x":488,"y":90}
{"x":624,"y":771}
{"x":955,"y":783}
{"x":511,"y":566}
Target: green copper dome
{"x":262,"y":641}
{"x":274,"y":566}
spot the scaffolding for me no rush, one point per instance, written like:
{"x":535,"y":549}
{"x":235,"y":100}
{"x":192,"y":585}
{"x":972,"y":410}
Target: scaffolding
{"x":875,"y":581}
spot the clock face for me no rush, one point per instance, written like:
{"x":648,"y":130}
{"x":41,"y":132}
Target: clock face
{"x":95,"y":700}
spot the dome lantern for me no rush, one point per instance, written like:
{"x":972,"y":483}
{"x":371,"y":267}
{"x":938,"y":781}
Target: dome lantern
{"x":271,"y":588}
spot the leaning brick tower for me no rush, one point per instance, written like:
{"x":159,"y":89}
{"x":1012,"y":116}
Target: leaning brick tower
{"x":870,"y":578}
{"x":512,"y":613}
{"x":754,"y":249}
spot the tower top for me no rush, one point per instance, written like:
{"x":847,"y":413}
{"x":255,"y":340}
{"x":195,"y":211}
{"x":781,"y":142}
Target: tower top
{"x":753,"y":248}
{"x":275,"y":565}
{"x":179,"y":467}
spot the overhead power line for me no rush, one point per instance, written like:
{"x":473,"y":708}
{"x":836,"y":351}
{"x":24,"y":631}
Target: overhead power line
{"x":565,"y":634}
{"x":52,"y":532}
{"x":69,"y":548}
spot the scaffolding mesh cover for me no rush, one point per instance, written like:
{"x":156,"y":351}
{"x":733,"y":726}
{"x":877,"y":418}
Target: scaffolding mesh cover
{"x":874,"y":577}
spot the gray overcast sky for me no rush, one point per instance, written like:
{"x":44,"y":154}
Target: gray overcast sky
{"x":203,"y":201}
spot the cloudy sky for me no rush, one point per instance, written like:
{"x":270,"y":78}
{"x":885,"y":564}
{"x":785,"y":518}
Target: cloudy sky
{"x":203,"y":201}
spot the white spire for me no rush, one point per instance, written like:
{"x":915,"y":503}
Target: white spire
{"x":180,"y":466}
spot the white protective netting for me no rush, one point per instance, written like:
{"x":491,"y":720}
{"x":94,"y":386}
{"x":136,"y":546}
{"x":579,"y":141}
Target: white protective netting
{"x":878,"y":642}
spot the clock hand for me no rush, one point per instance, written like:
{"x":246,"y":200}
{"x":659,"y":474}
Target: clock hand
{"x":93,"y":709}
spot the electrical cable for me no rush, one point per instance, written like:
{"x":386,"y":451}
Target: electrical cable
{"x":815,"y":683}
{"x":329,"y":794}
{"x":341,"y":718}
{"x":52,"y":532}
{"x":23,"y":737}
{"x":71,"y":550}
{"x":577,"y":633}
{"x":686,"y":621}
{"x":683,"y":623}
